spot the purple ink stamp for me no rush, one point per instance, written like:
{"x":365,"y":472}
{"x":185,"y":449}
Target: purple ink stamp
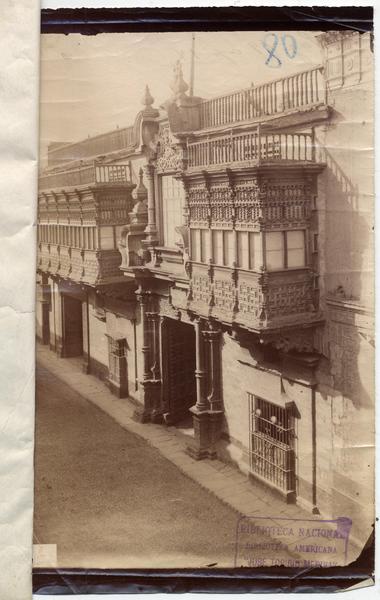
{"x":293,"y":543}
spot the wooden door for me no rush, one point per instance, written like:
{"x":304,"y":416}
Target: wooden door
{"x":179,"y":388}
{"x":72,"y":326}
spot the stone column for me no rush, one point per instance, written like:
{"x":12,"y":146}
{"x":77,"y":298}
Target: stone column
{"x":201,"y":404}
{"x":213,"y":337}
{"x":207,"y":412}
{"x":154,"y":367}
{"x":199,"y":448}
{"x":151,"y":228}
{"x":143,"y":413}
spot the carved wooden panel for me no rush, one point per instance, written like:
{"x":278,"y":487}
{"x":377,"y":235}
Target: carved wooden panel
{"x":250,"y":300}
{"x":248,"y":211}
{"x":198,"y":202}
{"x":224,"y":295}
{"x":221,"y":205}
{"x":289,"y":298}
{"x":201,"y":288}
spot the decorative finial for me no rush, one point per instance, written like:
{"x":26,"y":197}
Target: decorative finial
{"x":147,"y":99}
{"x":179,"y":85}
{"x":141,"y":191}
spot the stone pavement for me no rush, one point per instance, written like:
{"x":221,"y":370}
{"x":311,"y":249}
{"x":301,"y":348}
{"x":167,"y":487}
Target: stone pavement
{"x":223,"y":480}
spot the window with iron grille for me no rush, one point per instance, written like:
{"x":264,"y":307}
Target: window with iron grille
{"x":272,"y":455}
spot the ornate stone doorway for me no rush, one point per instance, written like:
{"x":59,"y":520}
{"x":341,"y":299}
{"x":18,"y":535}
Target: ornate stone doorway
{"x":72,"y":326}
{"x":178,"y":370}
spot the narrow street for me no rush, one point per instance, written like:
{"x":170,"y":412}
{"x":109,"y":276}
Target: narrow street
{"x":108,"y":499}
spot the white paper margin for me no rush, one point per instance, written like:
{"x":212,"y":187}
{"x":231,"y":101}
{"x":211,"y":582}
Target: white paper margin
{"x":19,"y":42}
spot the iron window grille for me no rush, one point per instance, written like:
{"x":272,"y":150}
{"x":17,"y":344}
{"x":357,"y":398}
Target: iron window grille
{"x":272,"y":435}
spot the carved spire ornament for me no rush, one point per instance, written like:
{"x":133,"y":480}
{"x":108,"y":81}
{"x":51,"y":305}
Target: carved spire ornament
{"x":148,"y":100}
{"x":141,"y":192}
{"x":179,"y":85}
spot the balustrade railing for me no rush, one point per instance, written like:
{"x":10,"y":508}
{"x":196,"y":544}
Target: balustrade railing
{"x":252,"y":146}
{"x":296,"y":91}
{"x":93,"y":146}
{"x":91,"y":174}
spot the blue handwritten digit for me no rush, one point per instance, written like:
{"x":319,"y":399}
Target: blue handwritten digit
{"x":285,"y":37}
{"x":271,"y":50}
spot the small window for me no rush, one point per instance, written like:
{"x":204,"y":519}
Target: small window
{"x":217,"y":247}
{"x":228,"y":248}
{"x":204,"y":245}
{"x":195,"y":244}
{"x":243,"y":252}
{"x":274,"y":250}
{"x":272,"y":433}
{"x":296,"y":248}
{"x":172,"y":197}
{"x":106,"y":238}
{"x":255,"y":251}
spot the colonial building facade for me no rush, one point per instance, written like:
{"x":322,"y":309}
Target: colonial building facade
{"x":213,"y":263}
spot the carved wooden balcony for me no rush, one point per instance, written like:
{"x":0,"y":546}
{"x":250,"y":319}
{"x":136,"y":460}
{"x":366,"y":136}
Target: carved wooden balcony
{"x":252,"y":148}
{"x":301,"y":91}
{"x":90,"y":267}
{"x":263,"y":302}
{"x":81,"y":214}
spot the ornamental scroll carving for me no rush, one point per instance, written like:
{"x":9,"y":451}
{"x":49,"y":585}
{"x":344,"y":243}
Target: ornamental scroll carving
{"x":170,"y":156}
{"x":167,"y":309}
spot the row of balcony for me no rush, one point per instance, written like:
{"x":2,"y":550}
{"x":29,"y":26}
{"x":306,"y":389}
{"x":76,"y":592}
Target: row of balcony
{"x":300,"y":91}
{"x":98,"y":145}
{"x":93,"y":174}
{"x":251,"y":147}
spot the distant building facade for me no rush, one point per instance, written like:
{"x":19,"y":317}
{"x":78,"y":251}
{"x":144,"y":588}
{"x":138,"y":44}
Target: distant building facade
{"x":214,"y":262}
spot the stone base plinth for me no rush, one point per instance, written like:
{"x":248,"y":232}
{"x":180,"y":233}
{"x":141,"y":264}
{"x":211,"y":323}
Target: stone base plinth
{"x":207,"y":430}
{"x":149,"y":412}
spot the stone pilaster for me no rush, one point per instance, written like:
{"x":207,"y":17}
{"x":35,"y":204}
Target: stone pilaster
{"x":149,"y":385}
{"x":207,"y":412}
{"x":151,"y":228}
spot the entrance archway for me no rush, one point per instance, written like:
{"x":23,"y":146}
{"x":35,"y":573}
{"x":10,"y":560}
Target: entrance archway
{"x":178,"y":366}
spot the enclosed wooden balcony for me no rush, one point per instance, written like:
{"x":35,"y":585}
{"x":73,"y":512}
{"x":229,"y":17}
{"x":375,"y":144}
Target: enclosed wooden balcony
{"x":260,"y":301}
{"x":301,"y":91}
{"x":81,"y":213}
{"x":92,"y":267}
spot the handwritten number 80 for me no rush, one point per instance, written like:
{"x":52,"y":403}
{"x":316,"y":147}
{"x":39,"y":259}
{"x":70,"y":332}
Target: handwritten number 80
{"x":289,"y":45}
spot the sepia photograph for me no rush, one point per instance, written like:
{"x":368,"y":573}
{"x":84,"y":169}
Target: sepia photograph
{"x":205,"y":300}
